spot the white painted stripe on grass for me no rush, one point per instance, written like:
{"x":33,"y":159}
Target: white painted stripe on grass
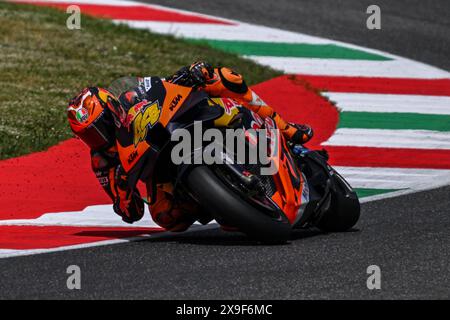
{"x":390,"y":178}
{"x":416,"y":139}
{"x":364,"y":102}
{"x":238,"y":32}
{"x":355,"y":68}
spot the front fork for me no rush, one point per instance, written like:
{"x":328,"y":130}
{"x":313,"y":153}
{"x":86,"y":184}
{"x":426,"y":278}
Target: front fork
{"x":316,"y":201}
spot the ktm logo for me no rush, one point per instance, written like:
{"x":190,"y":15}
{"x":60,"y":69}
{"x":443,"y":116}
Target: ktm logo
{"x":132,"y":157}
{"x":144,"y":120}
{"x":175,"y":101}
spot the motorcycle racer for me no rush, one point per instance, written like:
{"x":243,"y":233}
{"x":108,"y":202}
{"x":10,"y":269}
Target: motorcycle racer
{"x":91,"y":119}
{"x":95,"y":112}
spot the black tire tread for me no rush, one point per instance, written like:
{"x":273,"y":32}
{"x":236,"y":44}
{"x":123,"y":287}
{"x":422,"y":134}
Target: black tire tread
{"x":227,"y":206}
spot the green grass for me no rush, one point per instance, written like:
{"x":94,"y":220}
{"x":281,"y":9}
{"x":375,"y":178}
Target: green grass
{"x":43,"y":65}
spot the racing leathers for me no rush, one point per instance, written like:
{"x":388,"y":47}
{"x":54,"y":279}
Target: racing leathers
{"x":127,"y":201}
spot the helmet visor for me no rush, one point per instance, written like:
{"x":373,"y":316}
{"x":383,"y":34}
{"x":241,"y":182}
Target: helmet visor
{"x":94,"y":137}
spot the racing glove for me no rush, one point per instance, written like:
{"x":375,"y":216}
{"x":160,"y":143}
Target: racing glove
{"x":196,"y":75}
{"x":200,"y":73}
{"x":128,"y":202}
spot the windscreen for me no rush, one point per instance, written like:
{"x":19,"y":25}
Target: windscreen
{"x":117,"y":87}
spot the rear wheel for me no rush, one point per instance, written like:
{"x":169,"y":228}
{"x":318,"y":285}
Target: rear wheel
{"x":344,"y":209}
{"x":228,"y":207}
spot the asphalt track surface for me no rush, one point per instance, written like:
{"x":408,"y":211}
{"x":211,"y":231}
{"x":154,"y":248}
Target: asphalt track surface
{"x":407,"y":237}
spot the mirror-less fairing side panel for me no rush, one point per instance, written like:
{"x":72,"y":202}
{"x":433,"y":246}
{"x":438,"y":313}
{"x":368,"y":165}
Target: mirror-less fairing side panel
{"x":194,"y":108}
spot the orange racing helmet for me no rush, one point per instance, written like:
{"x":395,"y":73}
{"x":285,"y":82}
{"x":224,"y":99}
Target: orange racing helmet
{"x":90,"y":118}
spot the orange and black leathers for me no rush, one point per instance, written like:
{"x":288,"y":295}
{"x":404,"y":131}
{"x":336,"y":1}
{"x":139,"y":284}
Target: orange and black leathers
{"x":127,"y":201}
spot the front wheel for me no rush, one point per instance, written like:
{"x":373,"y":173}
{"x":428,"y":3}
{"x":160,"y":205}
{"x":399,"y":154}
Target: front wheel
{"x":228,"y":207}
{"x":344,"y":208}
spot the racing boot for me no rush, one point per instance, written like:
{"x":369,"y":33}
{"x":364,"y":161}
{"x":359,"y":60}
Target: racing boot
{"x":299,"y":133}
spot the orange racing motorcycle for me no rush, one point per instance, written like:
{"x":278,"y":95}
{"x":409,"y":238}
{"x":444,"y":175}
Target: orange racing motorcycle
{"x":304,"y":191}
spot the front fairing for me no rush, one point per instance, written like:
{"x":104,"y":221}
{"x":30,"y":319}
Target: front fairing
{"x":148,"y":125}
{"x":136,"y":147}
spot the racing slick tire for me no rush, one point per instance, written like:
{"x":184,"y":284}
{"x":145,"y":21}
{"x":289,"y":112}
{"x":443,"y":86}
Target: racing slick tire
{"x":225,"y":205}
{"x":344,"y":210}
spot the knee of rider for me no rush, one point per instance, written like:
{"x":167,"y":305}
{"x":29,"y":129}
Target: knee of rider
{"x":174,"y":219}
{"x":233,"y":81}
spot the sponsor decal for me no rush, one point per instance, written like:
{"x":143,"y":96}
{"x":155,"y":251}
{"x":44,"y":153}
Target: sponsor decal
{"x":147,"y":83}
{"x":229,"y":105}
{"x":140,"y":91}
{"x":101,"y":177}
{"x":257,"y":122}
{"x":175,"y":101}
{"x":132,"y":157}
{"x":82,"y":115}
{"x":256,"y":100}
{"x":144,"y":120}
{"x":104,"y":181}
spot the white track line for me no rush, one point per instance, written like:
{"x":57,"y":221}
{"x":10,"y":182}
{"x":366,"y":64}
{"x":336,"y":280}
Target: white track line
{"x":364,"y":102}
{"x":390,"y":178}
{"x":238,"y":32}
{"x":92,"y":216}
{"x":10,"y":253}
{"x":416,"y":139}
{"x":420,"y":185}
{"x":355,"y":68}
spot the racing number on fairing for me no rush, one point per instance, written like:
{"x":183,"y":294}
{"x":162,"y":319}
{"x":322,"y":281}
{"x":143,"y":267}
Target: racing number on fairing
{"x":145,"y":120}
